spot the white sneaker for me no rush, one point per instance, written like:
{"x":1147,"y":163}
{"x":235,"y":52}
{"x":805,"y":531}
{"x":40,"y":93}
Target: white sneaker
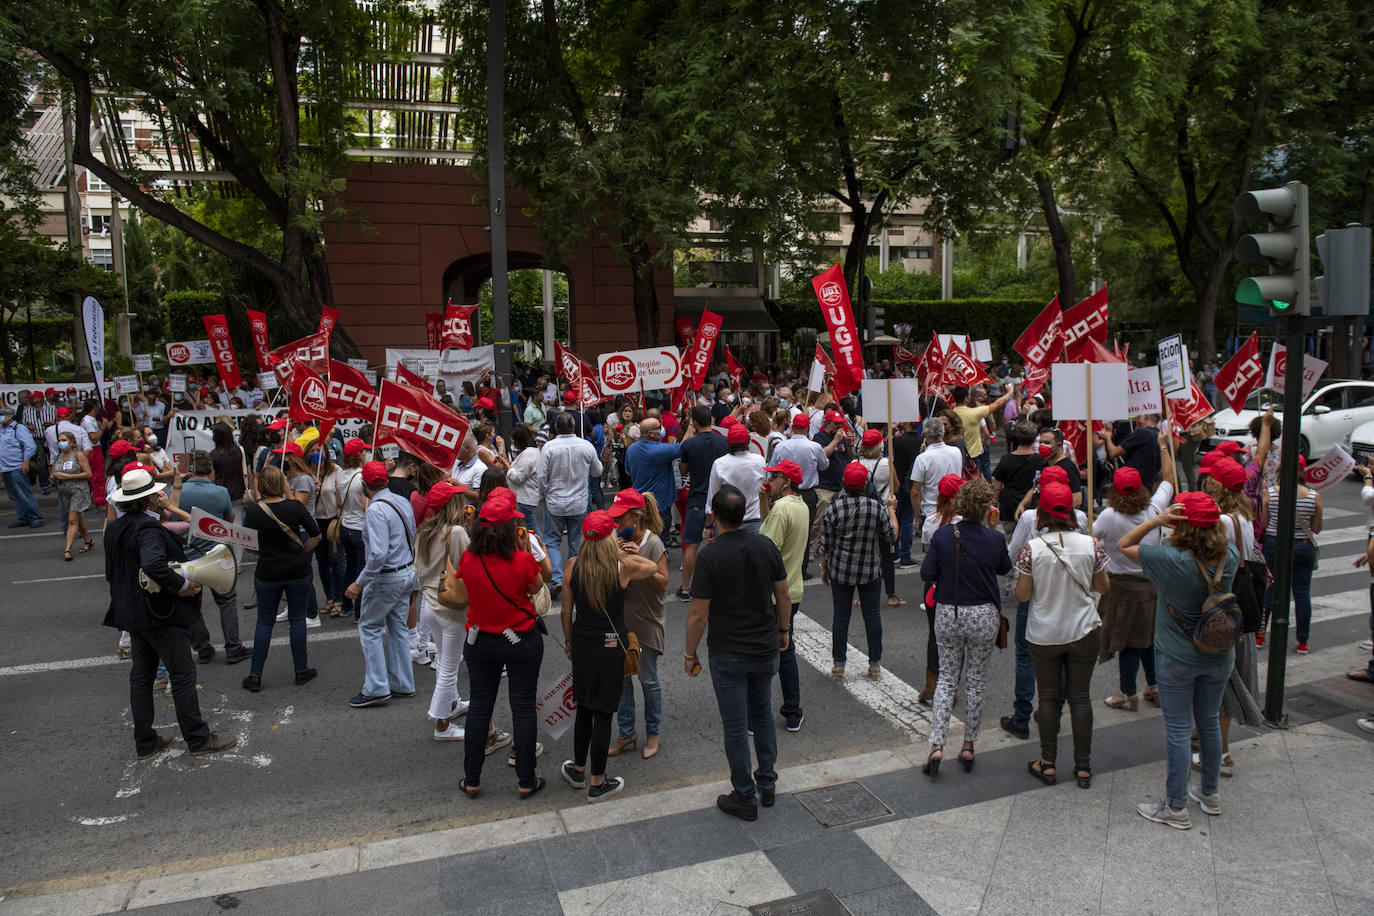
{"x":460,"y":710}
{"x":1367,"y":645}
{"x":452,"y":733}
{"x":281,"y":616}
{"x":1210,"y":804}
{"x":313,"y":623}
{"x":1366,"y":724}
{"x":1161,"y":813}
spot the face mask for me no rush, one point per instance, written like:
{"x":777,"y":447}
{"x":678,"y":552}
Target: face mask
{"x":1046,"y":450}
{"x":625,"y":533}
{"x":63,"y":445}
{"x":729,"y":399}
{"x":367,"y":456}
{"x":314,"y":457}
{"x":152,"y":441}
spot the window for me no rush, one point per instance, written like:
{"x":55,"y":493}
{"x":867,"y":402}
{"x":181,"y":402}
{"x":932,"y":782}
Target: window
{"x":102,"y":257}
{"x":95,"y":184}
{"x":127,"y":127}
{"x":923,"y":253}
{"x":99,"y":223}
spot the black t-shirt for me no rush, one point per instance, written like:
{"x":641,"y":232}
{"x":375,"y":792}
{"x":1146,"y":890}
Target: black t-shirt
{"x":280,"y":558}
{"x":832,"y":478}
{"x":699,"y":453}
{"x":1142,"y":453}
{"x":905,"y":449}
{"x":737,"y":572}
{"x":1017,"y":474}
{"x":400,"y":486}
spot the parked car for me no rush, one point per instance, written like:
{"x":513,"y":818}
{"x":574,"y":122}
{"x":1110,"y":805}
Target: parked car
{"x":1330,"y":416}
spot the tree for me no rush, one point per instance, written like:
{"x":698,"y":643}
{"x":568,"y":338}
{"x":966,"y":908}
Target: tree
{"x":148,"y":326}
{"x":254,"y":88}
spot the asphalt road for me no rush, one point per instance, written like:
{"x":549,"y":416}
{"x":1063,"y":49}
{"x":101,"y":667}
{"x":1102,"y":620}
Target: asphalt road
{"x":312,"y":773}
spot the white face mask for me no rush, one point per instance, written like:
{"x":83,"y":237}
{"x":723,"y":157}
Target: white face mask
{"x":729,"y":399}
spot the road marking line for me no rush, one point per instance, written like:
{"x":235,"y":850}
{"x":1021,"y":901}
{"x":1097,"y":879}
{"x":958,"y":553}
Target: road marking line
{"x":95,"y":576}
{"x":97,"y":661}
{"x":39,"y":534}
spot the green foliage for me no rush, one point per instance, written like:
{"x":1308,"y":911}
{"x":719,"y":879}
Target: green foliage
{"x":526,"y":297}
{"x":1000,"y":320}
{"x":186,"y":310}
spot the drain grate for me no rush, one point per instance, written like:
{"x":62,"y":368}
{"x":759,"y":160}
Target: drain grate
{"x":1313,"y":707}
{"x":846,"y":803}
{"x":814,"y":903}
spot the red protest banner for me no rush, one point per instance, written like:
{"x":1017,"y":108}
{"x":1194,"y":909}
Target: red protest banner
{"x":686,"y":331}
{"x":1088,"y":350}
{"x":1241,"y":375}
{"x":329,"y":316}
{"x":931,"y":360}
{"x":1041,"y":342}
{"x":419,"y":423}
{"x":1087,"y":319}
{"x":257,"y":326}
{"x":734,"y":368}
{"x":961,"y":368}
{"x":901,"y":354}
{"x":405,"y":377}
{"x":433,"y":324}
{"x":1185,"y":411}
{"x":824,"y":359}
{"x":580,"y":374}
{"x":699,"y":354}
{"x":457,"y":330}
{"x":844,"y":334}
{"x":349,"y":393}
{"x":217,"y":330}
{"x":313,"y":350}
{"x":309,"y":393}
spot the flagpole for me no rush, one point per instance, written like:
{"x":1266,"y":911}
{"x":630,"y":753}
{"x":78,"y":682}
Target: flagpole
{"x":1169,"y":437}
{"x":891,"y":467}
{"x":1088,"y":440}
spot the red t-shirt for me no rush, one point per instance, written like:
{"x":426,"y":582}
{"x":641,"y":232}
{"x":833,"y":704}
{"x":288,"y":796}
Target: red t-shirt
{"x":487,"y":609}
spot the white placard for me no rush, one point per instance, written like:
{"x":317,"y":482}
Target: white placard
{"x":429,"y":366}
{"x":268,"y":380}
{"x":961,"y":339}
{"x":455,"y":366}
{"x":9,"y":394}
{"x":1334,"y":468}
{"x":982,"y":350}
{"x":1142,"y":391}
{"x":176,"y":382}
{"x":557,"y":708}
{"x":390,"y":450}
{"x":1070,"y":381}
{"x":904,"y":407}
{"x":817,"y":380}
{"x":190,"y":353}
{"x":1173,"y":365}
{"x":143,"y":362}
{"x":1312,"y":369}
{"x":633,"y":370}
{"x":206,"y":526}
{"x":126,"y":384}
{"x":359,"y":364}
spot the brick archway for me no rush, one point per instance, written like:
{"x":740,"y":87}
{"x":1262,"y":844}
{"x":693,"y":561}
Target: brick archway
{"x":416,"y":234}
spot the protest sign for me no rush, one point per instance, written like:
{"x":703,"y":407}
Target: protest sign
{"x":204,"y":525}
{"x":1312,"y":369}
{"x":557,"y":708}
{"x":1333,"y":468}
{"x":1142,"y":392}
{"x":1173,"y":364}
{"x":896,"y":400}
{"x":176,"y":382}
{"x":1076,"y":385}
{"x":634,"y":370}
{"x":126,"y":384}
{"x":190,"y":353}
{"x":143,"y":362}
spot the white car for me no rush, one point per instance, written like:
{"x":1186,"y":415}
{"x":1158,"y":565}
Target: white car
{"x":1330,"y":416}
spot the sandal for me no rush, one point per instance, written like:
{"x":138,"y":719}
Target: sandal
{"x":932,"y":764}
{"x":538,"y":784}
{"x":67,"y":555}
{"x":1084,"y":775}
{"x":1043,"y":770}
{"x":1119,"y":700}
{"x":1151,"y":695}
{"x":966,"y":761}
{"x":472,"y":791}
{"x":89,"y":544}
{"x":333,"y":608}
{"x":894,"y":601}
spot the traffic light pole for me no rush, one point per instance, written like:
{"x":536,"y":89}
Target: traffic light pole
{"x":1295,"y":333}
{"x":496,"y":189}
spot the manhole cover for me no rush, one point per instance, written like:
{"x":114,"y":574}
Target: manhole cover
{"x":815,"y":903}
{"x":846,"y":803}
{"x":1313,"y":707}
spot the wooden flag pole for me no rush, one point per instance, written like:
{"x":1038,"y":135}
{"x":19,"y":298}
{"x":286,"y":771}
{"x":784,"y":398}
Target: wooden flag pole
{"x":1169,"y":436}
{"x":891,"y":467}
{"x":1088,"y":441}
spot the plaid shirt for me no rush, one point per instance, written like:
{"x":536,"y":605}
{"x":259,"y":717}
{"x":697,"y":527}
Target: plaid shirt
{"x":851,"y":529}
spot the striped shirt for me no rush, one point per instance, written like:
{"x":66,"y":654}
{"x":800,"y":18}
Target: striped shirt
{"x":1306,"y":508}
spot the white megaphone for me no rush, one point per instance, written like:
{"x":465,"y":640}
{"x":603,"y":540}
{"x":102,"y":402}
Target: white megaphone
{"x":216,"y":571}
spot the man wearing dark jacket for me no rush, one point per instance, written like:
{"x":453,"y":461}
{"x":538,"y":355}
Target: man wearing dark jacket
{"x":158,"y":622}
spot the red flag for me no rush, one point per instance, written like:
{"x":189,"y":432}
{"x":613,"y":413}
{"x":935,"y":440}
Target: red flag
{"x":309,"y":393}
{"x":1075,"y":445}
{"x":313,"y":350}
{"x":580,"y":374}
{"x":419,"y":424}
{"x":349,"y":393}
{"x":405,"y":377}
{"x":257,"y":326}
{"x":457,"y":331}
{"x":1087,"y":319}
{"x":686,"y":331}
{"x":1041,"y":342}
{"x":222,"y":345}
{"x":433,"y":324}
{"x":1184,"y":411}
{"x":1088,"y":350}
{"x":735,"y":369}
{"x":844,"y":334}
{"x":679,"y":397}
{"x":932,"y":359}
{"x":1241,"y":375}
{"x":329,"y":316}
{"x":699,"y":355}
{"x":901,"y":354}
{"x":824,"y":359}
{"x":326,"y":427}
{"x":962,"y":369}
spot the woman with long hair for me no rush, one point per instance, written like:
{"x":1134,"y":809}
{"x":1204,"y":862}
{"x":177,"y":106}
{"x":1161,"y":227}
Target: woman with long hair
{"x":646,"y":616}
{"x":491,"y":449}
{"x":300,"y":477}
{"x":1197,"y":561}
{"x":287,"y":534}
{"x":945,"y":514}
{"x":1059,"y":571}
{"x":593,"y":607}
{"x":329,"y":555}
{"x":352,"y":505}
{"x":441,"y":539}
{"x":1307,"y":524}
{"x":72,"y":473}
{"x":522,"y":473}
{"x":230,"y":465}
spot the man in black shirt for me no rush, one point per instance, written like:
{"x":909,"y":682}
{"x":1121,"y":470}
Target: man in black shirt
{"x":740,"y":590}
{"x":1140,"y":450}
{"x":698,"y":452}
{"x":906,"y":446}
{"x":831,"y":480}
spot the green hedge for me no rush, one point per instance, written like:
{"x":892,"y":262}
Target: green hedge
{"x":185,"y":310}
{"x":1000,"y":320}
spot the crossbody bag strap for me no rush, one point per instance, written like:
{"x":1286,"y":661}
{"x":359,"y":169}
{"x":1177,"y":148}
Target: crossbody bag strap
{"x":282,"y":525}
{"x":404,"y":530}
{"x":1071,"y":576}
{"x":514,"y":604}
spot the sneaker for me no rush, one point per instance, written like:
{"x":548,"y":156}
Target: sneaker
{"x":1009,"y":726}
{"x":313,"y":623}
{"x":744,"y":809}
{"x":214,"y":745}
{"x":452,"y":733}
{"x":875,"y":673}
{"x":908,"y":563}
{"x":1161,"y":813}
{"x":538,"y":752}
{"x":1366,"y":723}
{"x":281,"y":616}
{"x":837,"y":672}
{"x":1259,"y":639}
{"x":306,"y":676}
{"x":768,"y":795}
{"x":1210,"y":804}
{"x":497,"y":741}
{"x":1367,"y":645}
{"x":794,"y":723}
{"x":363,"y":700}
{"x":612,"y":785}
{"x":571,"y":776}
{"x":1303,"y":648}
{"x":205,"y":653}
{"x":684,"y":595}
{"x":460,"y":710}
{"x":237,"y":654}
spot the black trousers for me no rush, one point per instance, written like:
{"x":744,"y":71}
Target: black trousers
{"x":809,"y":499}
{"x":171,"y":646}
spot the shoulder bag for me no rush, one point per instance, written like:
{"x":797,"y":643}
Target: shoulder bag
{"x":1311,"y":539}
{"x":335,"y":529}
{"x":629,"y":645}
{"x":1247,"y":592}
{"x":452,"y":593}
{"x":1003,"y":625}
{"x":538,"y":621}
{"x":1081,"y":587}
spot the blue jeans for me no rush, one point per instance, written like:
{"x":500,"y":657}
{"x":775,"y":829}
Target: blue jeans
{"x":843,"y":596}
{"x":788,"y":675}
{"x":25,"y":506}
{"x":355,"y":557}
{"x":753,"y":526}
{"x":333,"y":564}
{"x":595,"y":498}
{"x":555,"y":526}
{"x":985,"y":465}
{"x":744,"y":694}
{"x":1025,"y":672}
{"x":386,"y":604}
{"x":1129,"y":661}
{"x":1304,"y":561}
{"x":269,"y":594}
{"x":906,"y":525}
{"x":531,"y":514}
{"x":1190,"y":695}
{"x":653,"y":696}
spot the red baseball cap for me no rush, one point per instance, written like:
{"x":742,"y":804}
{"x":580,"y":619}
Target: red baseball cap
{"x":1199,"y":509}
{"x":789,"y":469}
{"x":598,"y":525}
{"x":1228,"y":447}
{"x":872,"y":437}
{"x":499,"y":507}
{"x":570,"y":397}
{"x":729,"y":421}
{"x":136,"y":466}
{"x":1054,"y":474}
{"x":834,"y":416}
{"x":855,"y":475}
{"x":1125,"y":480}
{"x":356,"y":445}
{"x":50,"y":391}
{"x":485,"y":403}
{"x":279,"y":423}
{"x":1056,"y":499}
{"x":1228,"y":473}
{"x":950,"y":485}
{"x":63,"y":413}
{"x":801,"y":421}
{"x":738,"y":435}
{"x":442,"y":492}
{"x":626,"y":501}
{"x":289,"y":448}
{"x":121,"y":447}
{"x":374,"y":473}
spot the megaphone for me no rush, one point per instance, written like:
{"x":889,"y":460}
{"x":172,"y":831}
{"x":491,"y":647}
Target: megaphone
{"x":216,"y":570}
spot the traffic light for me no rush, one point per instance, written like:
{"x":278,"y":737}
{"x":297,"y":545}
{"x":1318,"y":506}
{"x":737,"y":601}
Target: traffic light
{"x":877,"y":321}
{"x":1284,"y":248}
{"x":1344,"y":289}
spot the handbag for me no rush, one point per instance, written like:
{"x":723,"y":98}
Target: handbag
{"x":335,"y":529}
{"x":1003,"y":625}
{"x":629,"y":644}
{"x":452,"y":594}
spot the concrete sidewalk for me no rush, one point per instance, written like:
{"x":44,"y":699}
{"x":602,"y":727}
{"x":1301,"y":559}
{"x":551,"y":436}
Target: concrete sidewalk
{"x":872,"y":834}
